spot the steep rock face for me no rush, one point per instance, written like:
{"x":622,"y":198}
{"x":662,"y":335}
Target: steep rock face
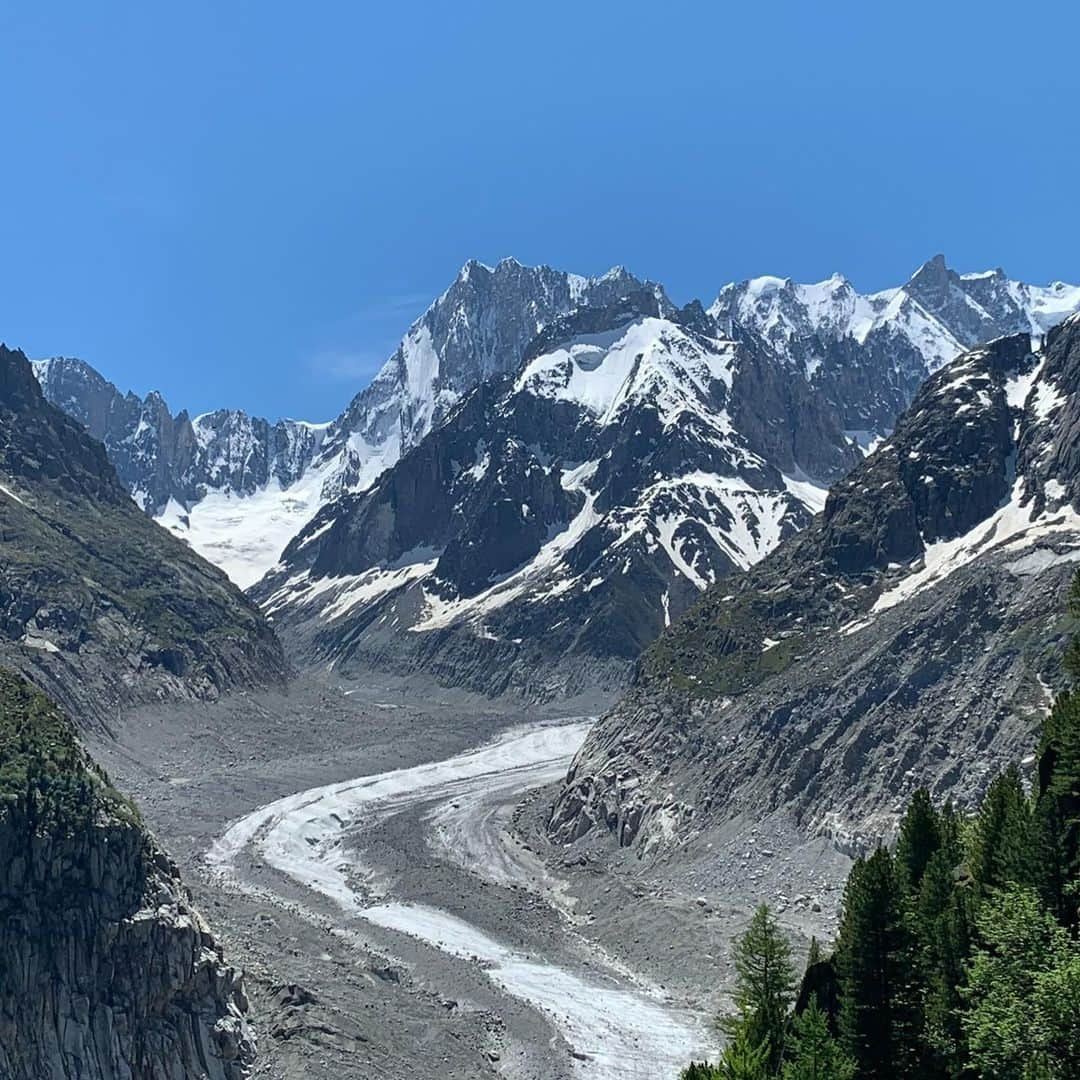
{"x":106,"y":971}
{"x":478,"y":329}
{"x":161,"y":457}
{"x":238,"y":488}
{"x":97,"y":603}
{"x":216,"y":462}
{"x":559,"y":518}
{"x":151,"y":450}
{"x":908,"y":636}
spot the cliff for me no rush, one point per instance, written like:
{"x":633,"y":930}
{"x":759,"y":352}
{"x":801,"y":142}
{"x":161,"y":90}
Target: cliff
{"x":106,"y":970}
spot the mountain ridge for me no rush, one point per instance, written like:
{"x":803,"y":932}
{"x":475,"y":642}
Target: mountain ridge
{"x":917,"y":618}
{"x":98,"y":604}
{"x":561,"y":516}
{"x":239,"y":487}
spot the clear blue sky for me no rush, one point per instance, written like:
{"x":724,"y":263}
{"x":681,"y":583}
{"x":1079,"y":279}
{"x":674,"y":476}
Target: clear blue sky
{"x":246,"y":204}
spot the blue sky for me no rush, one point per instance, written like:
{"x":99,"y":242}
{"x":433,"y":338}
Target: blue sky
{"x":246,"y":204}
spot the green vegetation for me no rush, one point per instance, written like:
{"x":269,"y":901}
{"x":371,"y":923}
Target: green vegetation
{"x":815,"y":1053}
{"x":958,"y":955}
{"x":765,"y":988}
{"x":47,"y":781}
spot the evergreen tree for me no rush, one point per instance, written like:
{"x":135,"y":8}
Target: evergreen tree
{"x":1071,"y":660}
{"x":1002,"y":840}
{"x":1052,"y":856}
{"x":878,"y":1019}
{"x":1057,"y":812}
{"x":920,"y":838}
{"x":699,"y":1071}
{"x":942,"y":920}
{"x":744,"y":1059}
{"x":815,"y":1053}
{"x":951,"y":827}
{"x":1024,"y":991}
{"x":764,"y":990}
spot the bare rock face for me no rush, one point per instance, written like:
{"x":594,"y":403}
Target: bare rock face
{"x":559,"y":518}
{"x":106,"y":970}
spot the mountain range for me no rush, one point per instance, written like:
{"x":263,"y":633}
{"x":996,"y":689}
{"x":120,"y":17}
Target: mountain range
{"x":823,"y":538}
{"x":550,"y":469}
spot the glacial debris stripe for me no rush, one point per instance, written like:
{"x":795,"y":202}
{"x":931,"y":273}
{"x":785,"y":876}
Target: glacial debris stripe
{"x":617,"y":1029}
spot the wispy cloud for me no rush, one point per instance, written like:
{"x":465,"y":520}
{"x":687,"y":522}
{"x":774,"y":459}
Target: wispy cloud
{"x":361,"y":342}
{"x":348,"y":365}
{"x":403,"y":306}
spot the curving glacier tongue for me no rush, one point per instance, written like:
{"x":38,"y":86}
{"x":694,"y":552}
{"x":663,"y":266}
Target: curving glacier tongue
{"x":619,"y":1028}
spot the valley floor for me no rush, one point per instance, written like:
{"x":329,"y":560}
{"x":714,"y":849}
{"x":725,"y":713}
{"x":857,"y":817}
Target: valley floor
{"x":389,"y":889}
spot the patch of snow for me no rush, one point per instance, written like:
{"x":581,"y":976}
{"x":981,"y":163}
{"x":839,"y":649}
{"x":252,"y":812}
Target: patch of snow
{"x":246,"y":534}
{"x":866,"y":441}
{"x":1010,"y":527}
{"x":1055,"y":490}
{"x":35,"y":641}
{"x":1046,"y":399}
{"x":811,"y":495}
{"x":11,"y":494}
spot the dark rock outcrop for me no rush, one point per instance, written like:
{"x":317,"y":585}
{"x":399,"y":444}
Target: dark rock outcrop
{"x":106,"y":970}
{"x":547,"y":531}
{"x":159,"y":456}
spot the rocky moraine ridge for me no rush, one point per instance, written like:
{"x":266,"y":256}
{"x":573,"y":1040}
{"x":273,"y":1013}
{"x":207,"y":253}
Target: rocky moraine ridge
{"x":911,"y":635}
{"x":106,"y":970}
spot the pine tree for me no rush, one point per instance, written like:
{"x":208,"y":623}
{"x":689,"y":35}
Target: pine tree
{"x":942,"y":921}
{"x":1002,"y":841}
{"x":878,"y":1020}
{"x":699,"y":1071}
{"x":819,"y":985}
{"x":920,"y":837}
{"x":951,"y":826}
{"x":1056,"y":825}
{"x":1071,"y":660}
{"x":764,"y":988}
{"x":815,"y":1053}
{"x":744,"y":1059}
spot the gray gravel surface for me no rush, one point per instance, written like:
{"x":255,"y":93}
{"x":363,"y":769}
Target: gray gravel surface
{"x":334,"y":996}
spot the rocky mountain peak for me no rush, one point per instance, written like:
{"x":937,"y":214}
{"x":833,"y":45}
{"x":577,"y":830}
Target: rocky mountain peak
{"x":562,"y":515}
{"x":239,"y":488}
